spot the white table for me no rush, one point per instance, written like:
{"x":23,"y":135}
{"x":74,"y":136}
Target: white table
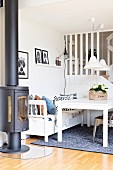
{"x":85,"y":103}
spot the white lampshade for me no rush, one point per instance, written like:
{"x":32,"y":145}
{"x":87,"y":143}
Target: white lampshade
{"x":104,"y":67}
{"x":93,"y":63}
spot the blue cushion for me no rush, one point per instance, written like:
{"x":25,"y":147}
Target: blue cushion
{"x":50,"y":106}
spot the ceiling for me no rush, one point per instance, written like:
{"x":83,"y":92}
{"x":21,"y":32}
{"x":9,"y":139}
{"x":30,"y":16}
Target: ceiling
{"x":72,"y":16}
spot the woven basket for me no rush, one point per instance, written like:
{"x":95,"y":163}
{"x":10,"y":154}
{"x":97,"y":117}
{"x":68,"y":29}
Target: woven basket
{"x":93,"y":95}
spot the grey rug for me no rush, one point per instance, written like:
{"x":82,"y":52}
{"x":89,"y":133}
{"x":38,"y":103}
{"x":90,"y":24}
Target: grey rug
{"x":80,"y":138}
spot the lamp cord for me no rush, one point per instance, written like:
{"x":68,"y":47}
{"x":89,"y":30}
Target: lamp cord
{"x":98,"y":27}
{"x":102,"y":43}
{"x":93,"y":37}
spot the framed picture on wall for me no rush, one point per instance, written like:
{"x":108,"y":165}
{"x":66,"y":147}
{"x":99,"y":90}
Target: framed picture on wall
{"x":1,"y":3}
{"x":38,"y":55}
{"x":23,"y":65}
{"x":45,"y":59}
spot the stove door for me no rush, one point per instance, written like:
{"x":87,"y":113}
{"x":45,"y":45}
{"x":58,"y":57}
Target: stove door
{"x":21,"y":111}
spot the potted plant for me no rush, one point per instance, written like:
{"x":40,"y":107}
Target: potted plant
{"x":98,"y":92}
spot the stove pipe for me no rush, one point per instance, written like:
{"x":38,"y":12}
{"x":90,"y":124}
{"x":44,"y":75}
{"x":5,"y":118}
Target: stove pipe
{"x":13,"y":99}
{"x":11,"y":42}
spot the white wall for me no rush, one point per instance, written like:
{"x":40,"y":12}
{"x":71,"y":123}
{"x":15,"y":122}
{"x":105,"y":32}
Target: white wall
{"x":30,"y":3}
{"x":2,"y":44}
{"x":3,"y":136}
{"x":43,"y":79}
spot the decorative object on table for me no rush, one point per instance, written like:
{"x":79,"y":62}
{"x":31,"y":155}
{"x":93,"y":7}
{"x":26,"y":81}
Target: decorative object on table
{"x":38,"y":55}
{"x":98,"y":92}
{"x":23,"y":65}
{"x":45,"y":59}
{"x":65,"y":97}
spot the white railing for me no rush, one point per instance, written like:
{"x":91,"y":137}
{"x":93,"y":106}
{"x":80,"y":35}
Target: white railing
{"x":110,"y":49}
{"x":78,"y":46}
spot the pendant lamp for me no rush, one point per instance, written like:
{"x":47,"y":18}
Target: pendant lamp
{"x":93,"y":63}
{"x":104,"y":67}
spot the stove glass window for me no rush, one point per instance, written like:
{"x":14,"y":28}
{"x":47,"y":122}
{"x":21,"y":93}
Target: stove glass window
{"x":23,"y":108}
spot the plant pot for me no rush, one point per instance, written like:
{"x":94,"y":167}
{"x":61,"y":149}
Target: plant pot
{"x":93,"y":95}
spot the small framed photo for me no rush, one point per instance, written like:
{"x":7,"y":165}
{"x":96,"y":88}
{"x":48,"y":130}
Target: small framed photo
{"x":23,"y":65}
{"x":45,"y":59}
{"x":38,"y":55}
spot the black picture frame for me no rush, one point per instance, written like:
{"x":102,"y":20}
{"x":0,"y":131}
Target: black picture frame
{"x":23,"y":65}
{"x":1,"y":3}
{"x":38,"y":55}
{"x":45,"y":59}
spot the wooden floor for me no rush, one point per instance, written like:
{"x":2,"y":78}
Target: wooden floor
{"x":60,"y":159}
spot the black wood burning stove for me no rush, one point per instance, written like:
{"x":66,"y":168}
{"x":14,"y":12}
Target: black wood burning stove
{"x":14,"y":115}
{"x":13,"y":98}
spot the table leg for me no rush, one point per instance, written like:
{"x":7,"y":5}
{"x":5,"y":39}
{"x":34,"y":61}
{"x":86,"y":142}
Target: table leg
{"x":59,"y":123}
{"x":105,"y":127}
{"x":45,"y":129}
{"x":88,"y":118}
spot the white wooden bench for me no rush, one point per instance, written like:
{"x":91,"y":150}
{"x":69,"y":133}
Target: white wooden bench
{"x":43,"y":124}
